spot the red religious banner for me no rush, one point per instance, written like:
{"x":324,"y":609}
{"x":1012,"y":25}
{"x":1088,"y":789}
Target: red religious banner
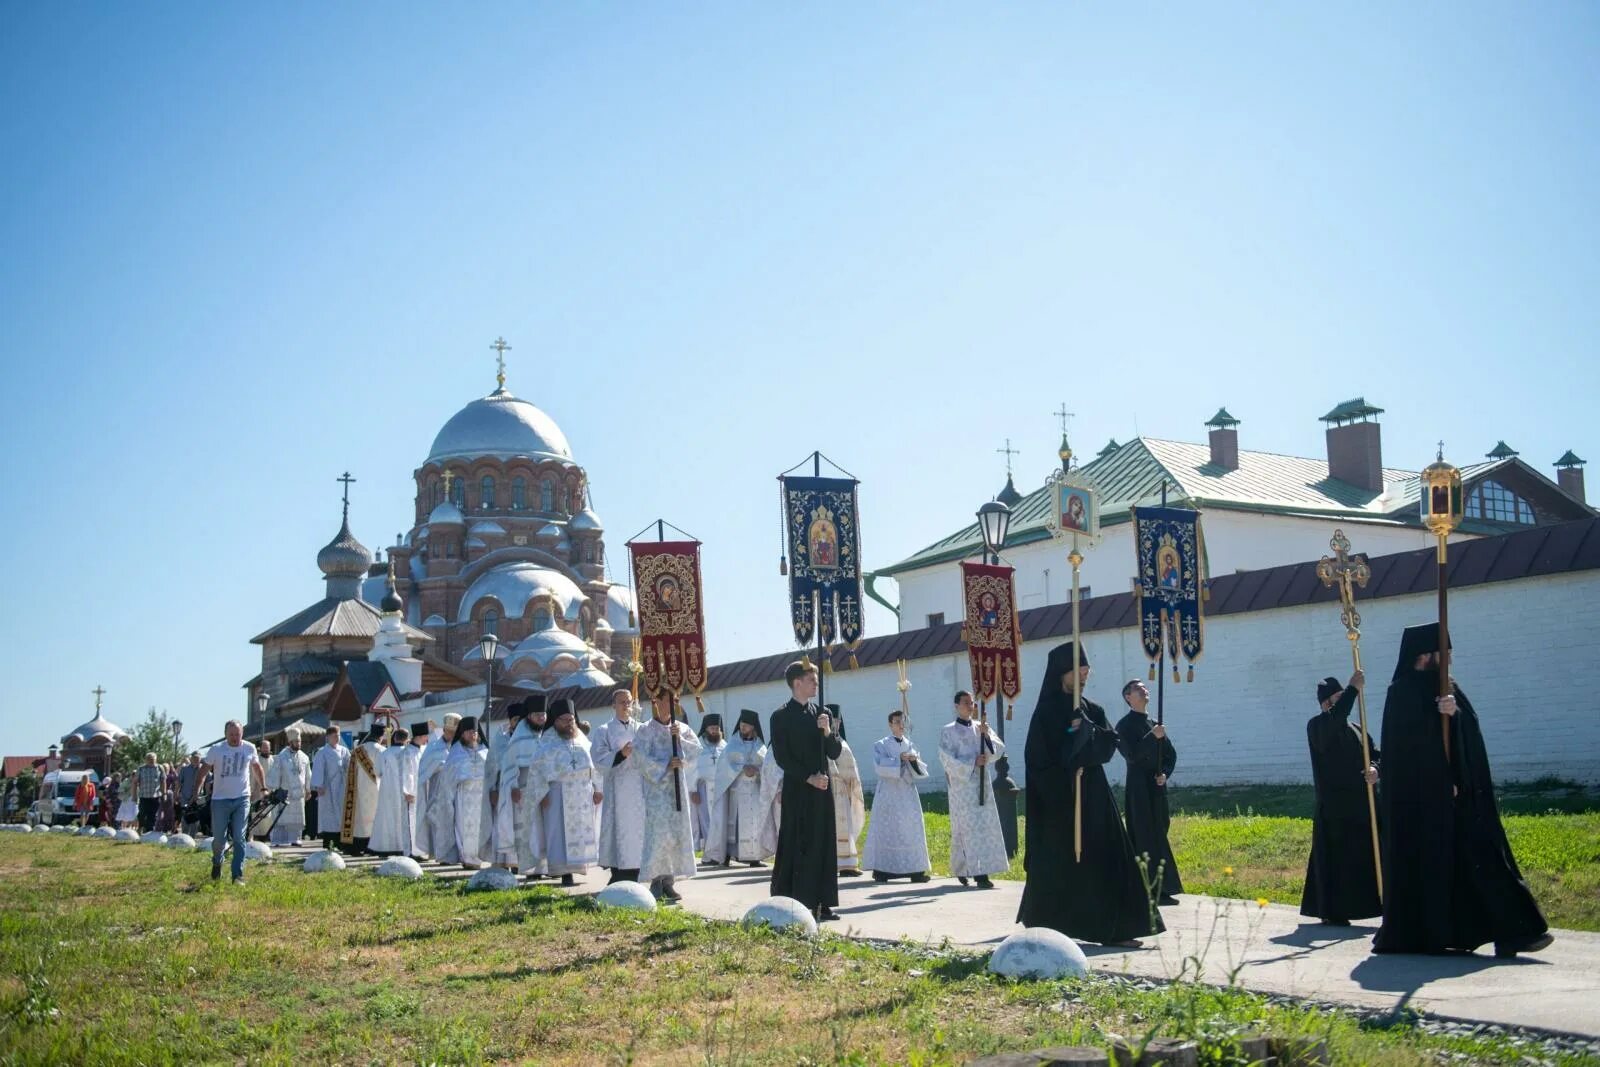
{"x":672,"y":642}
{"x":991,"y":630}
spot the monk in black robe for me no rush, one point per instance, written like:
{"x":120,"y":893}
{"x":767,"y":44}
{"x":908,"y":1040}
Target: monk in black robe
{"x":1341,"y":877}
{"x":806,"y":867}
{"x":1151,"y":759}
{"x":1450,"y":881}
{"x":1101,"y":897}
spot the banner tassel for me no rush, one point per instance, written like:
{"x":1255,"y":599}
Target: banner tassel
{"x":1152,"y":672}
{"x":699,"y":705}
{"x":1191,"y":672}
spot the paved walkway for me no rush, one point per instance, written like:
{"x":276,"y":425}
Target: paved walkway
{"x":1275,"y":951}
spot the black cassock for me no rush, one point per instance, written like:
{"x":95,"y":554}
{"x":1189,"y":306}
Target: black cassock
{"x":1450,"y":881}
{"x":806,"y":867}
{"x":1146,"y":802}
{"x":1340,"y":881}
{"x":1103,"y":897}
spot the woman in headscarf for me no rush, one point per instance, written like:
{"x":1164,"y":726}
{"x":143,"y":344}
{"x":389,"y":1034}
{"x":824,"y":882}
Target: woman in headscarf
{"x":1102,"y":895}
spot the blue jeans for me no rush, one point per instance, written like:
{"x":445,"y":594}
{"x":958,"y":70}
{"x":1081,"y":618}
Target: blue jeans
{"x":227,"y":821}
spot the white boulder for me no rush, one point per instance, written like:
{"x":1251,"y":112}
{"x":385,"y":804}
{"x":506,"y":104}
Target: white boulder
{"x":782,"y":913}
{"x":259,"y":851}
{"x":126,"y":836}
{"x":492,"y":878}
{"x":203,"y":845}
{"x":180,"y":841}
{"x":154,"y":837}
{"x":105,"y":831}
{"x":399,"y":867}
{"x":324,"y":860}
{"x":1039,"y":953}
{"x":629,"y":895}
{"x":86,"y":831}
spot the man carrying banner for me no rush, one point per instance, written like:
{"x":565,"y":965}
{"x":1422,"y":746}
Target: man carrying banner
{"x":668,"y":815}
{"x":737,"y":790}
{"x":897,"y":840}
{"x":803,"y":741}
{"x":976,"y":848}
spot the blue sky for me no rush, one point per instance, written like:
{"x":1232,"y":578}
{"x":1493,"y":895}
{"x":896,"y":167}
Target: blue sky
{"x":245,"y":250}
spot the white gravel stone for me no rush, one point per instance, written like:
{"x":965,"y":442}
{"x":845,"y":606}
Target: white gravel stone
{"x":324,"y":860}
{"x":126,"y":836}
{"x":203,"y":845}
{"x":105,"y":831}
{"x":259,"y":851}
{"x":492,"y":878}
{"x":782,"y":913}
{"x":154,"y":837}
{"x":86,"y":831}
{"x":629,"y":895}
{"x":1039,"y":953}
{"x":180,"y":841}
{"x":399,"y":867}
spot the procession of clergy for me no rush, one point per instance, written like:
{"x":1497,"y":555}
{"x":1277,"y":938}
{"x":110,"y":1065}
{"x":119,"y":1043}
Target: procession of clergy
{"x":545,"y":799}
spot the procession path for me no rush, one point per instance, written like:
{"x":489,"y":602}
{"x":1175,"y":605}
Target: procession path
{"x":1272,"y":947}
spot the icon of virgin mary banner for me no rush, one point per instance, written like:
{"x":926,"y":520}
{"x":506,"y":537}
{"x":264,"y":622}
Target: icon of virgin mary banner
{"x":1171,"y":583}
{"x":823,"y":544}
{"x":991,"y":630}
{"x":672,"y":643}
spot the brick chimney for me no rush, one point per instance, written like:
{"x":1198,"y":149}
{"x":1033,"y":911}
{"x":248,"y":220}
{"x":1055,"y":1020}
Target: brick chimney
{"x":1569,"y":476}
{"x":1355,"y":447}
{"x":1224,"y":440}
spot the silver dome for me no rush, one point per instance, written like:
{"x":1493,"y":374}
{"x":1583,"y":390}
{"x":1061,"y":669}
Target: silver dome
{"x":446,"y":514}
{"x":344,"y":556}
{"x":514,"y":584}
{"x":586,"y":520}
{"x":500,"y":425}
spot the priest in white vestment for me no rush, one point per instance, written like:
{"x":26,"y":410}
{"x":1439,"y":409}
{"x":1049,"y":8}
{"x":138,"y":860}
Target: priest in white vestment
{"x":291,"y":772}
{"x":771,"y":804}
{"x":668,"y":814}
{"x":565,"y":790}
{"x":327,"y":780}
{"x":457,"y":806}
{"x":516,"y":770}
{"x":361,"y":791}
{"x":737,"y":792}
{"x":897,"y":840}
{"x":849,"y":800}
{"x":622,"y":811}
{"x":429,"y":765}
{"x":707,"y":805}
{"x":497,"y":842}
{"x":966,"y":748}
{"x":394,"y":826}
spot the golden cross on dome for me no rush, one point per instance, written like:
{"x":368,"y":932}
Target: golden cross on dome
{"x":449,"y":476}
{"x":1009,"y":452}
{"x":500,"y":349}
{"x":98,"y":691}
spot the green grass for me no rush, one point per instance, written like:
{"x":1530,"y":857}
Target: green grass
{"x":130,"y":955}
{"x":1248,"y":842}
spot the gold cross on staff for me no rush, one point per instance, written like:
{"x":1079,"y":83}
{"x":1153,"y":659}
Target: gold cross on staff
{"x":500,"y":349}
{"x":1348,"y":571}
{"x":98,"y":691}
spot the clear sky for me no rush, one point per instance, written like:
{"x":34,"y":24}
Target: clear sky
{"x":245,"y":249}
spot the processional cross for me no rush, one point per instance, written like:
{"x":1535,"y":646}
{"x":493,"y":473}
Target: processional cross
{"x":1348,"y":572}
{"x":500,"y":349}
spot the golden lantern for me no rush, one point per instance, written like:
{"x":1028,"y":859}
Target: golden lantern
{"x":1442,"y":504}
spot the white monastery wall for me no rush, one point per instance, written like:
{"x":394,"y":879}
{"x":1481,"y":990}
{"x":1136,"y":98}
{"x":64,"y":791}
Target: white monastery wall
{"x":1523,"y":652}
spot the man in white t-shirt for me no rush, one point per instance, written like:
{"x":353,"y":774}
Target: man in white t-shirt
{"x":237,"y":767}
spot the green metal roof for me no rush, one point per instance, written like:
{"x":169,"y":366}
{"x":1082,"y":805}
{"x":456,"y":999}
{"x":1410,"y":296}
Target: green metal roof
{"x":1222,"y":420}
{"x":1502,"y":450}
{"x":1570,"y":460}
{"x":1111,"y":446}
{"x":1351,"y":410}
{"x":1264,"y":482}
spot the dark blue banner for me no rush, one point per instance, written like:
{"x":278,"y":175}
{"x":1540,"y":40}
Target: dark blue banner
{"x":1171,"y":582}
{"x":823,"y":541}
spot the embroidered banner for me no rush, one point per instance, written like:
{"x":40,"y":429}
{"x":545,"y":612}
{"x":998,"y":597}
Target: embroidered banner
{"x":1170,"y":583}
{"x":672,"y":643}
{"x":991,"y":630}
{"x":823,"y":543}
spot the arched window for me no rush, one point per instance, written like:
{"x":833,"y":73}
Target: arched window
{"x":588,"y":551}
{"x":450,"y":550}
{"x":547,"y":495}
{"x":435,"y":495}
{"x":486,"y":492}
{"x":491,"y":622}
{"x":519,"y":494}
{"x":541,"y":618}
{"x":458,"y":493}
{"x":566,"y":499}
{"x":1493,"y":501}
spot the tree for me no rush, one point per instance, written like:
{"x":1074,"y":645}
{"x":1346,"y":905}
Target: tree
{"x":154,"y":734}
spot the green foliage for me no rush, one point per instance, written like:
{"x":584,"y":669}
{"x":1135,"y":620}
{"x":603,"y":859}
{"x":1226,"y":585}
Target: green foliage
{"x":152,"y":734}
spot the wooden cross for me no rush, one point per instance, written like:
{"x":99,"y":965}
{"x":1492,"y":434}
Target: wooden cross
{"x":98,"y":691}
{"x":500,"y":349}
{"x":1009,"y":452}
{"x":1349,"y":572}
{"x":1064,"y":415}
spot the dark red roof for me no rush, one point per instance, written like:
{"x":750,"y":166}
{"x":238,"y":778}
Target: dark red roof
{"x":1558,"y":549}
{"x":15,"y":765}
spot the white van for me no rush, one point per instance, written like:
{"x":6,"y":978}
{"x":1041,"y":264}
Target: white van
{"x":61,"y":789}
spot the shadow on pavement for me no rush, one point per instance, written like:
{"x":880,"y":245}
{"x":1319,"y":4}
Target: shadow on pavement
{"x":1409,"y":974}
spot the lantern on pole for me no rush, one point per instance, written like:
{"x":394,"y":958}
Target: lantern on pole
{"x":1442,"y":511}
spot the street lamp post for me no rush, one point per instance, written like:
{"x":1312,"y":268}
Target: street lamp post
{"x":488,"y":645}
{"x":994,"y":522}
